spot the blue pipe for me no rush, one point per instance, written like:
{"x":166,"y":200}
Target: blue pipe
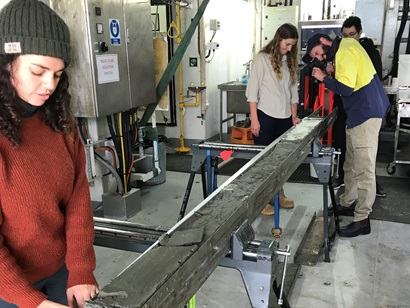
{"x":208,"y":171}
{"x":276,"y":203}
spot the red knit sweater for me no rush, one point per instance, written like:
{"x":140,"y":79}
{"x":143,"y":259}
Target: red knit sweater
{"x":46,"y":216}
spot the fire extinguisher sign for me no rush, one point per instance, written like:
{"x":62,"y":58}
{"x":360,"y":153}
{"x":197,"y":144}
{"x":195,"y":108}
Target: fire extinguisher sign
{"x":115,"y":36}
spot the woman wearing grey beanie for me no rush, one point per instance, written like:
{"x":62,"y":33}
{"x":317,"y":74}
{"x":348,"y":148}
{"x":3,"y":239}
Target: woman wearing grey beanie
{"x":47,"y":257}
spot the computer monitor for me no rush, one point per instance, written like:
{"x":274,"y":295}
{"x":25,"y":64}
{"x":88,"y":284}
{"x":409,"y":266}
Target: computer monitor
{"x":309,"y":28}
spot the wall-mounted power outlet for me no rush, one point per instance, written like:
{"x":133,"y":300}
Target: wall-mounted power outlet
{"x":214,"y":25}
{"x":212,"y":45}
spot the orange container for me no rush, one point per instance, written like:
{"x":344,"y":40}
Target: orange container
{"x":241,"y":135}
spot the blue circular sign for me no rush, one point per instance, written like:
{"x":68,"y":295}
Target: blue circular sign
{"x":114,"y":28}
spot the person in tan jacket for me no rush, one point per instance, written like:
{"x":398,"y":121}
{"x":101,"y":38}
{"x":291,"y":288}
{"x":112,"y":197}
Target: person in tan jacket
{"x":272,"y":93}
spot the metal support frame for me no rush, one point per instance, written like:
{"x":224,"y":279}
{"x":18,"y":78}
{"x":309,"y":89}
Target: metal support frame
{"x":139,"y":238}
{"x":125,"y":235}
{"x":399,"y":156}
{"x":258,"y":263}
{"x":203,"y":155}
{"x":322,"y":160}
{"x":172,"y":270}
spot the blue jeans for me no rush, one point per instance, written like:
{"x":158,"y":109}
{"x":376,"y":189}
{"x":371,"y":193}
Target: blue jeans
{"x":53,"y":286}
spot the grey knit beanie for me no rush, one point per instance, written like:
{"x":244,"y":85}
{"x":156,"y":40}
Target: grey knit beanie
{"x":32,"y":27}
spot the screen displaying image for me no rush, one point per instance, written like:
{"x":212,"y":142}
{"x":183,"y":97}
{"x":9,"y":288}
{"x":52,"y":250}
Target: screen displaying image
{"x":308,"y":29}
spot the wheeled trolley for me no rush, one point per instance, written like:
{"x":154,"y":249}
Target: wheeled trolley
{"x":403,"y":111}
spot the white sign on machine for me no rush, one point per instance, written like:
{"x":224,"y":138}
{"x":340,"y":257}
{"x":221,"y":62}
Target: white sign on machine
{"x":107,"y":68}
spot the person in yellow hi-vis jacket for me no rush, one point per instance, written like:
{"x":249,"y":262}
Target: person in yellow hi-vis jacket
{"x":366,"y":104}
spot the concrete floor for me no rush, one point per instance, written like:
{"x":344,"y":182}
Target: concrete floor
{"x":367,"y":271}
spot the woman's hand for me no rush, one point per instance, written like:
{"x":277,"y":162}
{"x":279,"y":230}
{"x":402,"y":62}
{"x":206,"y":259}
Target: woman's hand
{"x":296,"y":121}
{"x":81,"y":293}
{"x":255,"y":127}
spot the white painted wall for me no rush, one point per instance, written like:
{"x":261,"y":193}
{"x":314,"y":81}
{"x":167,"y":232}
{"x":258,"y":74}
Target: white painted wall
{"x":236,"y":39}
{"x":237,"y":42}
{"x":311,"y":10}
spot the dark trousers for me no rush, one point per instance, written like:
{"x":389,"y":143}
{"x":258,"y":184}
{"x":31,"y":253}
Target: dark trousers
{"x":339,"y":133}
{"x":53,"y":286}
{"x":271,"y":128}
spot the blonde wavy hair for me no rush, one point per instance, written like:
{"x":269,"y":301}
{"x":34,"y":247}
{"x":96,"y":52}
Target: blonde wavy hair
{"x":285,"y":31}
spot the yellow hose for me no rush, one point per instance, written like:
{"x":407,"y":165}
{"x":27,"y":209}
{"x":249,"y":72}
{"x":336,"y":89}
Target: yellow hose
{"x":124,"y":168}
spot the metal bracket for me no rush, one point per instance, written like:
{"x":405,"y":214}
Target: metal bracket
{"x":258,"y":264}
{"x":322,"y":160}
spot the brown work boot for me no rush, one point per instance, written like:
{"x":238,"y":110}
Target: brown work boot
{"x":285,"y":202}
{"x":269,"y":210}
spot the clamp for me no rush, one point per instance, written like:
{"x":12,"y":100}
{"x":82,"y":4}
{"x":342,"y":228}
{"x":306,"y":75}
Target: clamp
{"x":258,"y":263}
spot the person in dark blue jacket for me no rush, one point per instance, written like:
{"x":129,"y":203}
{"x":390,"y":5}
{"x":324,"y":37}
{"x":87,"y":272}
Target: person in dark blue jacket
{"x":352,"y":27}
{"x":366,"y":104}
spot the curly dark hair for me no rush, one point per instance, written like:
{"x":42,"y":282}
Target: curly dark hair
{"x":56,"y":110}
{"x":284,"y":32}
